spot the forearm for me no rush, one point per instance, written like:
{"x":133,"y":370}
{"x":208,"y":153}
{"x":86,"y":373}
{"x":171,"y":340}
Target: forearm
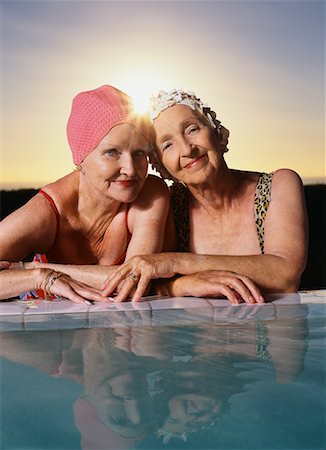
{"x":16,"y":282}
{"x":92,"y":275}
{"x":270,"y":272}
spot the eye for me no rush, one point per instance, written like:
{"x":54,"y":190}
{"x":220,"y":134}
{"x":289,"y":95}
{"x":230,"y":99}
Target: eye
{"x":112,"y":153}
{"x":166,"y":145}
{"x":139,"y":154}
{"x":193,"y":128}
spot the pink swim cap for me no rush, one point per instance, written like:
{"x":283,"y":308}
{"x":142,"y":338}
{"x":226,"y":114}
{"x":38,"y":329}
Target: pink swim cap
{"x":94,"y":113}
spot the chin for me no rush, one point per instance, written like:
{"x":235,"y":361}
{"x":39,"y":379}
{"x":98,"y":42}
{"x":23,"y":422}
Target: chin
{"x":127,"y":197}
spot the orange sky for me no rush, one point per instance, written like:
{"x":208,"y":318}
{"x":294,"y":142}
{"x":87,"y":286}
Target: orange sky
{"x":259,"y":65}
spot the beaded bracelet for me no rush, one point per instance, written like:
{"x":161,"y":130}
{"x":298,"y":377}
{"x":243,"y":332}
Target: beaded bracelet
{"x":51,"y":281}
{"x":46,"y":279}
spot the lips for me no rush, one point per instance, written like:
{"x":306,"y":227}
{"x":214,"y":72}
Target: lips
{"x":125,"y":183}
{"x":195,"y":162}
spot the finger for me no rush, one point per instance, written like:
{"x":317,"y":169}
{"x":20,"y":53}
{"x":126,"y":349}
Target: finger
{"x":127,"y":288}
{"x":143,"y":283}
{"x":71,"y":295}
{"x":114,"y":280}
{"x":90,"y":295}
{"x":242,"y":291}
{"x":229,"y":294}
{"x":254,"y":290}
{"x":84,"y":291}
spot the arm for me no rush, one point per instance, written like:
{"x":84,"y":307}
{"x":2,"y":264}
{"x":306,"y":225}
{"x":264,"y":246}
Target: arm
{"x":278,"y":270}
{"x":286,"y":242}
{"x":24,"y":232}
{"x":147,"y":218}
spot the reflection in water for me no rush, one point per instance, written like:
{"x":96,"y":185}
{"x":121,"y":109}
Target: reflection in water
{"x":171,"y":382}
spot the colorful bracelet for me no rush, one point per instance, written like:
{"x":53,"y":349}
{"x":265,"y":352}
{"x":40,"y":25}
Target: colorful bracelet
{"x":45,"y":285}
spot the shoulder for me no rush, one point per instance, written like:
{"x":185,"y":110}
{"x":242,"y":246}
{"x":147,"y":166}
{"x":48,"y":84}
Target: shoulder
{"x":154,"y":188}
{"x":287,"y":193}
{"x":63,"y":189}
{"x":153,"y":199}
{"x":152,"y":202}
{"x":286,"y":181}
{"x":281,"y":175}
{"x":62,"y":195}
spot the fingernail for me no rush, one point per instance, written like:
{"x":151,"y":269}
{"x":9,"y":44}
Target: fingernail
{"x":251,"y":299}
{"x":261,"y":299}
{"x":87,"y":302}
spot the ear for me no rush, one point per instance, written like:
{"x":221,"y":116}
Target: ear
{"x":80,"y":169}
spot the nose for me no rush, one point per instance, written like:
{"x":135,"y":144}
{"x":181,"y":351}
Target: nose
{"x":187,"y":148}
{"x":133,"y":411}
{"x":127,"y":165}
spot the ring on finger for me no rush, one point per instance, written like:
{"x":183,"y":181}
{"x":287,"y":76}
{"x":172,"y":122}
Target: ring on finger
{"x":134,"y":277}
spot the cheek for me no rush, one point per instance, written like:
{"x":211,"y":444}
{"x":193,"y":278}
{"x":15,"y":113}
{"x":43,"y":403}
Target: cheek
{"x":169,"y":160}
{"x":142,"y":167}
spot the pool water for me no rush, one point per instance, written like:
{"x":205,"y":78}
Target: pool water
{"x":231,"y":378}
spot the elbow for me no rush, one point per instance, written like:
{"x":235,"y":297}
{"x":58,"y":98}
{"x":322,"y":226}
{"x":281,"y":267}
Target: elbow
{"x":287,"y":275}
{"x":290,"y":280}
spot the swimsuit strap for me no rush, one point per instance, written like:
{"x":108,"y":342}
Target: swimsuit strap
{"x":261,"y":204}
{"x":53,"y":205}
{"x":180,"y":208}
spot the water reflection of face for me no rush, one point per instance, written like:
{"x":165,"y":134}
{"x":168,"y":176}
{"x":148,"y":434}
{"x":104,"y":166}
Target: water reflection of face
{"x":191,"y":411}
{"x":122,"y":403}
{"x":116,"y":385}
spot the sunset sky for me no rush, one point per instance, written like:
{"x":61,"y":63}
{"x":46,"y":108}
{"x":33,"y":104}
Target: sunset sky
{"x":259,"y":64}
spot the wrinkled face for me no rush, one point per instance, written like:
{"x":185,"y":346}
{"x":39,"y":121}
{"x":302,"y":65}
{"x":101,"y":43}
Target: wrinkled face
{"x":118,"y":166}
{"x":187,"y":144}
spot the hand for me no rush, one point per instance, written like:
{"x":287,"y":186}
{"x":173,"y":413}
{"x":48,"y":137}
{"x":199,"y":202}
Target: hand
{"x":214,"y":283}
{"x":60,"y":284}
{"x":135,"y":275}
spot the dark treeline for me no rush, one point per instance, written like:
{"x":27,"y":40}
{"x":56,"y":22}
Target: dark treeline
{"x":314,"y":276}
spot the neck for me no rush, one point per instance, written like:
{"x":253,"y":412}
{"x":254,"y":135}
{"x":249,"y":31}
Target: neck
{"x":217,"y":192}
{"x":93,"y":204}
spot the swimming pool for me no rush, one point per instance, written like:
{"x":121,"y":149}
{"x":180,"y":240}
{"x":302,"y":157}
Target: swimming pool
{"x":168,"y":373}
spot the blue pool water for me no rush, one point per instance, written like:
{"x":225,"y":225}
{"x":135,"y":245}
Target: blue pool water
{"x":223,"y":381}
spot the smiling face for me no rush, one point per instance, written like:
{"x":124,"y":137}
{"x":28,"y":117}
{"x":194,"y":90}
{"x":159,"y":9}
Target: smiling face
{"x":118,"y":166}
{"x":187,"y":145}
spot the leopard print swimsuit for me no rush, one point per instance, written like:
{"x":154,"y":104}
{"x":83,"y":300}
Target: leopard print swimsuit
{"x":180,"y":206}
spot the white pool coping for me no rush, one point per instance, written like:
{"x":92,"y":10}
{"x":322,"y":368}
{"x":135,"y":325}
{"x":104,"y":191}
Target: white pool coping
{"x":155,"y":310}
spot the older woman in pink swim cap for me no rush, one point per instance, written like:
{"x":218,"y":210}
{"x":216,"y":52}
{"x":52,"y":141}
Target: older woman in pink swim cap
{"x":97,"y":216}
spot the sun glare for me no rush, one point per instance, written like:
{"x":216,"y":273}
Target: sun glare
{"x":141,"y":102}
{"x":140,"y":84}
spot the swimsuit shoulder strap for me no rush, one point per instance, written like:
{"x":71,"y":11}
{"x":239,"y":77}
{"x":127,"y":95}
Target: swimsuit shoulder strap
{"x":53,"y":205}
{"x":180,"y":209}
{"x":261,"y":204}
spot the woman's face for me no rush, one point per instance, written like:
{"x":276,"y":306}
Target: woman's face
{"x":123,"y":404}
{"x":190,"y":412}
{"x":187,"y":144}
{"x":118,"y":166}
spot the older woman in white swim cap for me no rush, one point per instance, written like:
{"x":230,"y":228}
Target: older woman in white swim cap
{"x":238,"y":233}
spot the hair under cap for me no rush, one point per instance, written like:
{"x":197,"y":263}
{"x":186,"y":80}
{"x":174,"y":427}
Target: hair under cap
{"x":94,"y":113}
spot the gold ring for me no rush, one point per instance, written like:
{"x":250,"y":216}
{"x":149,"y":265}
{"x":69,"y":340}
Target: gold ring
{"x":134,"y":277}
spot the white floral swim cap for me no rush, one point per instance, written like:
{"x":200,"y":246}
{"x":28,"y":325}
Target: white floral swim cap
{"x":164,"y":100}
